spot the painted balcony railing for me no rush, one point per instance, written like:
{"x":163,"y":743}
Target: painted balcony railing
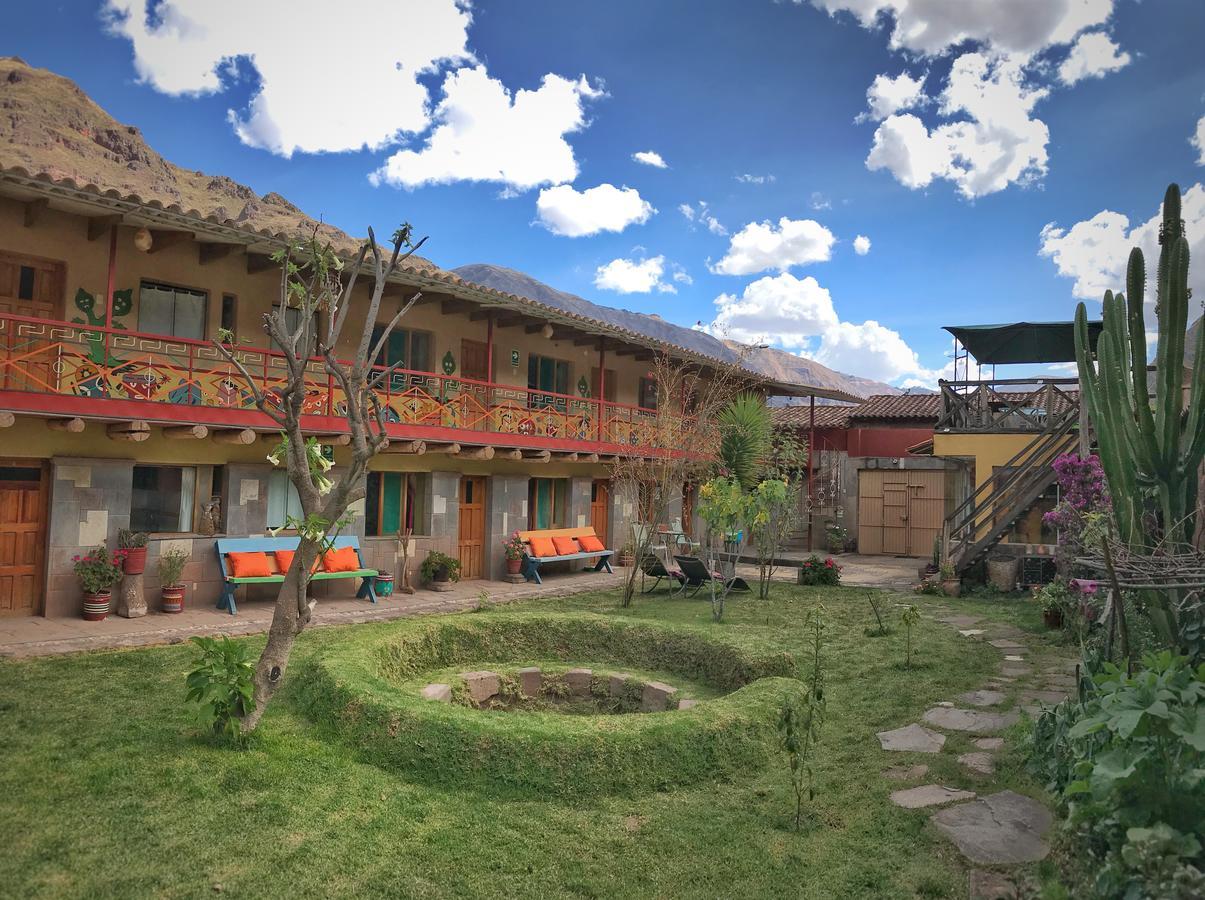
{"x":73,"y":362}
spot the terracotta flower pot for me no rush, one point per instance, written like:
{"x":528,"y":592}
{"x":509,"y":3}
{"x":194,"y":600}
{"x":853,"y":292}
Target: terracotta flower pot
{"x":951,"y":588}
{"x":96,"y":606}
{"x":513,"y":566}
{"x":1053,"y":618}
{"x":173,"y":598}
{"x":135,"y":561}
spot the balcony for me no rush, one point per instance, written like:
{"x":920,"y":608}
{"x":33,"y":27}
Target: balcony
{"x":64,"y":369}
{"x":1007,"y":406}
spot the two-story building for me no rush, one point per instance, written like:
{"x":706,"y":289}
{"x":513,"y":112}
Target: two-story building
{"x":117,"y":411}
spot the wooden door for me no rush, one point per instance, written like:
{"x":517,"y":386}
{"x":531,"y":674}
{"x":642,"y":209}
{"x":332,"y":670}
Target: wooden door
{"x":33,"y":287}
{"x":926,"y":510}
{"x":895,"y":514}
{"x":471,"y":543}
{"x":600,"y":502}
{"x":474,"y":360}
{"x":22,"y":538}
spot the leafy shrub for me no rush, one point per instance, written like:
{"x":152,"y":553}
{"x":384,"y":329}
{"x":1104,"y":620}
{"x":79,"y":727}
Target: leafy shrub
{"x":171,"y":566}
{"x":817,"y":571}
{"x":1127,"y":765}
{"x":438,"y":563}
{"x":222,"y":685}
{"x":97,"y":570}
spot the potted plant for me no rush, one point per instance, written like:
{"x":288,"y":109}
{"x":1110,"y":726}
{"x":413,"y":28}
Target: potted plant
{"x":97,"y":572}
{"x":439,"y":568}
{"x":1055,"y":599}
{"x":951,"y":584}
{"x":171,"y":567}
{"x":933,"y":566}
{"x":836,"y":537}
{"x":134,"y":545}
{"x":627,"y":555}
{"x":514,"y":550}
{"x":383,"y":584}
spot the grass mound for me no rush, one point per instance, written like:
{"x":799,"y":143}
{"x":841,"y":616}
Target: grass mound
{"x":364,"y":688}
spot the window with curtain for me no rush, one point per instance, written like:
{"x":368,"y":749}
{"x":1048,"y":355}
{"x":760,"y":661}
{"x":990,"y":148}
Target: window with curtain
{"x":397,"y":500}
{"x":546,"y":375}
{"x":163,"y":499}
{"x":647,"y":398}
{"x":174,"y":311}
{"x":548,"y":502}
{"x":283,"y":499}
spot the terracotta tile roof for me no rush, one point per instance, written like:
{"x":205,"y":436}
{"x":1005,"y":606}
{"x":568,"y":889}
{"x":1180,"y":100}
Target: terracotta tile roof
{"x":799,"y":416}
{"x":919,"y":407}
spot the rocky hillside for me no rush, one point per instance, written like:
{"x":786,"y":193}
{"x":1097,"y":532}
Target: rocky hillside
{"x":775,"y":363}
{"x":48,"y":124}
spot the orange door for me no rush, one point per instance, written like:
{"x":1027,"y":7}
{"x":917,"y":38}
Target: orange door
{"x":31,"y":287}
{"x":22,"y":538}
{"x":600,"y":501}
{"x":471,"y":544}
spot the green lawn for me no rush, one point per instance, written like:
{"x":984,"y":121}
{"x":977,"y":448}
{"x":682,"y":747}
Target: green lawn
{"x":106,"y":789}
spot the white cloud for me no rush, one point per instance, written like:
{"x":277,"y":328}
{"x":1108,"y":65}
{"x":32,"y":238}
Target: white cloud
{"x":316,"y":93}
{"x":680,"y":275}
{"x":566,"y":211}
{"x":1198,"y":141}
{"x":995,"y":145}
{"x":861,"y":245}
{"x":786,"y":310}
{"x":486,"y":134}
{"x":650,"y":158}
{"x":931,"y":27}
{"x":887,"y":96}
{"x":798,"y":314}
{"x":1093,"y":55}
{"x":629,"y":276}
{"x":762,"y":245}
{"x":819,"y":202}
{"x":1095,"y":251}
{"x":702,"y":215}
{"x":746,"y":178}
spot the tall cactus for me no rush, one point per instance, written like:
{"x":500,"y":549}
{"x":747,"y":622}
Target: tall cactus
{"x":1143,"y":451}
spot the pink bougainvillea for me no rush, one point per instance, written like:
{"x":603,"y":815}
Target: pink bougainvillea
{"x":1082,"y":490}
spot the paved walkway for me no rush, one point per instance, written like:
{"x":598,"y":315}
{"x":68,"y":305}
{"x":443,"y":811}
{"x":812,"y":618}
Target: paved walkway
{"x":38,"y":636}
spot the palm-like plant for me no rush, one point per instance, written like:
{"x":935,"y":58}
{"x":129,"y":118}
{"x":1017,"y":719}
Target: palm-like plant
{"x":744,"y":437}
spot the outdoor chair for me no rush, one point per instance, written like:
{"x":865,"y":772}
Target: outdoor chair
{"x":696,"y":575}
{"x":651,"y":566}
{"x":685,"y":543}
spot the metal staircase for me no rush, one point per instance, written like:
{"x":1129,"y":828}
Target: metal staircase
{"x":981,"y":521}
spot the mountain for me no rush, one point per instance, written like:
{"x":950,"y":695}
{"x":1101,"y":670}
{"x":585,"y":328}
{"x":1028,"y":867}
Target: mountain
{"x":49,"y":125}
{"x":776,"y":364}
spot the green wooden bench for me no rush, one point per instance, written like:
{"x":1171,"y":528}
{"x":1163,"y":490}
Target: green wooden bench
{"x":267,"y":545}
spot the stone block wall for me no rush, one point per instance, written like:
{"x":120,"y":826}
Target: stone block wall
{"x":506,"y":511}
{"x":578,"y":513}
{"x":89,"y":503}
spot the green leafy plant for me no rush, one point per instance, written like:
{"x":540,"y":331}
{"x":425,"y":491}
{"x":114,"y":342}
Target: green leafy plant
{"x":130,"y":540}
{"x":171,"y":566}
{"x":817,"y":571}
{"x":1126,"y":761}
{"x":97,"y":570}
{"x":800,"y":721}
{"x":911,"y":618}
{"x":513,"y":546}
{"x":438,"y":566}
{"x":836,"y":535}
{"x":770,"y":515}
{"x":222,"y":686}
{"x":744,"y":438}
{"x":947,"y":572}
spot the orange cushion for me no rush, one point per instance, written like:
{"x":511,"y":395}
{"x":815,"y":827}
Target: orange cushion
{"x":542,"y":546}
{"x":591,"y":544}
{"x":249,"y":565}
{"x":284,"y":559}
{"x":565,"y":546}
{"x":342,"y":560}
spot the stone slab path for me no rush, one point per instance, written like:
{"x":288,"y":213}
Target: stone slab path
{"x":997,"y":829}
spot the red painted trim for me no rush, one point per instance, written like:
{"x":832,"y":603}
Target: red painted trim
{"x":112,"y":282}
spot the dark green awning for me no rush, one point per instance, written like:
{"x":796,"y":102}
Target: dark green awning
{"x":1022,"y":342}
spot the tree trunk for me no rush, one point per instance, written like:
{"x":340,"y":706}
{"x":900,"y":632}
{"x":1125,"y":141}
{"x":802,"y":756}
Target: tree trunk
{"x":291,"y":615}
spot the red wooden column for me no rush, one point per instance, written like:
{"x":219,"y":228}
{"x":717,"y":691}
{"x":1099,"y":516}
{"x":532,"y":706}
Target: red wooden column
{"x":489,"y":364}
{"x":602,"y":387}
{"x":811,"y":465}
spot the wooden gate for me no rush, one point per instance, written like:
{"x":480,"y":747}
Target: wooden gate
{"x":471,"y":545}
{"x":22,"y":537}
{"x":600,"y":501}
{"x":900,"y":511}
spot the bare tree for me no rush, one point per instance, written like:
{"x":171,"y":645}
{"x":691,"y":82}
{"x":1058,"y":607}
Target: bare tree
{"x":679,"y":446}
{"x":313,"y":282}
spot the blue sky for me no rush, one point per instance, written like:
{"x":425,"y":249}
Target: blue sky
{"x":1004,"y":178}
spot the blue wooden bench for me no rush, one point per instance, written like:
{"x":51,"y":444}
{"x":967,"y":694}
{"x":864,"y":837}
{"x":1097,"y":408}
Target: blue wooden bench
{"x":267,"y":545}
{"x":532,"y":563}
